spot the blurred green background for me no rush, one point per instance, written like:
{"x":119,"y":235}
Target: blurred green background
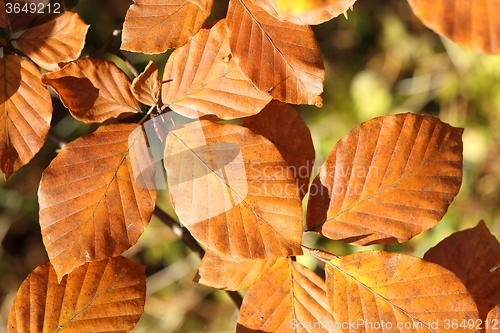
{"x":381,"y":60}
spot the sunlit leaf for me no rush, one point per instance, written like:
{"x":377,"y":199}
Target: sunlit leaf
{"x":381,"y":291}
{"x":233,"y":190}
{"x":280,"y":58}
{"x":92,"y":203}
{"x":229,"y":273}
{"x":19,"y":19}
{"x":492,"y":323}
{"x":388,"y":180}
{"x":287,"y":298}
{"x":204,"y":79}
{"x":282,"y":125}
{"x":146,"y":87}
{"x":54,"y":39}
{"x":25,"y":113}
{"x":94,"y":90}
{"x":154,"y":26}
{"x":103,"y":296}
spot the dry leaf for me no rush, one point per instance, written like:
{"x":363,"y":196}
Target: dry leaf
{"x":94,"y":90}
{"x":229,"y":273}
{"x":25,"y":113}
{"x":54,"y":39}
{"x":282,"y":125}
{"x":381,"y":291}
{"x":205,"y":79}
{"x":154,"y":26}
{"x":492,"y":323}
{"x":386,"y":181}
{"x":280,"y":58}
{"x":287,"y":298}
{"x":146,"y":87}
{"x":233,"y":190}
{"x":104,"y":296}
{"x":92,"y":204}
{"x":22,"y":18}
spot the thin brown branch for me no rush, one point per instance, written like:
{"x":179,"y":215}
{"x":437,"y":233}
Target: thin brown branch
{"x":57,"y":139}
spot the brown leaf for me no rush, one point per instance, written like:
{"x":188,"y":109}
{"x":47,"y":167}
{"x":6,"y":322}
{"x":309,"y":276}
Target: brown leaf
{"x":233,"y":190}
{"x":397,"y":292}
{"x":280,"y":58}
{"x":4,"y":19}
{"x":474,"y":256}
{"x":469,"y":23}
{"x":154,"y":26}
{"x":94,"y":90}
{"x":104,"y":296}
{"x":386,"y":181}
{"x":54,"y":39}
{"x":492,"y":323}
{"x":305,"y":12}
{"x":93,"y":200}
{"x":146,"y":87}
{"x":21,"y":18}
{"x":206,"y":80}
{"x":282,"y":125}
{"x":25,"y":113}
{"x":229,"y":273}
{"x":287,"y":298}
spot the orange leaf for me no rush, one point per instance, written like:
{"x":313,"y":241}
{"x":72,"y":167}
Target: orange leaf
{"x":386,"y":181}
{"x":54,"y":39}
{"x":104,"y":296}
{"x":206,"y":80}
{"x":281,"y":58}
{"x":154,"y":26}
{"x":492,"y":324}
{"x":474,"y":256}
{"x":4,"y":19}
{"x":382,"y":291}
{"x":233,"y":190}
{"x":146,"y":87}
{"x":469,"y":23}
{"x":305,"y":12}
{"x":25,"y":113}
{"x":229,"y":273}
{"x":94,"y":90}
{"x":92,"y":203}
{"x":287,"y":298}
{"x":282,"y":125}
{"x":19,"y":18}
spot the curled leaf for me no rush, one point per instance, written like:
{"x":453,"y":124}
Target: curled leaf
{"x":146,"y":87}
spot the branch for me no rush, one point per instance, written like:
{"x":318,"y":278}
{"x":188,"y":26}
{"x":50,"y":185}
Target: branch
{"x":189,"y":240}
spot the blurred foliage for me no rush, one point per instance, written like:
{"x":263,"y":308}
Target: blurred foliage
{"x":382,"y":60}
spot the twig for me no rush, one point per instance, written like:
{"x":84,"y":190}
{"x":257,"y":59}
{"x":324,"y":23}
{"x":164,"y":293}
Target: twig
{"x":57,"y":139}
{"x":189,"y":240}
{"x":108,"y":41}
{"x":127,"y":61}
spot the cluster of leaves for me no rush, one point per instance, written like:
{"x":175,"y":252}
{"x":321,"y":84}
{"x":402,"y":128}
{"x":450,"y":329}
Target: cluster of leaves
{"x":237,"y":189}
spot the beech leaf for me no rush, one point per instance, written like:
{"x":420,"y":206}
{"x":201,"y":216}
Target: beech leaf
{"x":54,"y":39}
{"x":386,"y":181}
{"x":94,"y":90}
{"x":383,"y":291}
{"x":233,"y":190}
{"x":205,"y":79}
{"x":25,"y":113}
{"x":19,"y":19}
{"x":92,"y":203}
{"x":146,"y":87}
{"x":221,"y":271}
{"x":282,"y":125}
{"x":287,"y":298}
{"x":154,"y":26}
{"x":280,"y":58}
{"x":492,"y":324}
{"x":103,"y":296}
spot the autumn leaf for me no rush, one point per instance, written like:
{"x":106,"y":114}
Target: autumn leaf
{"x":94,"y":90}
{"x":305,"y":12}
{"x":154,"y":26}
{"x":25,"y":113}
{"x":103,"y":296}
{"x":203,"y":79}
{"x":492,"y":323}
{"x":282,"y":125}
{"x":221,"y":271}
{"x":233,"y":190}
{"x":386,"y":181}
{"x":54,"y":39}
{"x":287,"y":298}
{"x":4,"y":20}
{"x":92,"y":204}
{"x":469,"y":23}
{"x":19,"y":19}
{"x":146,"y":87}
{"x":280,"y":58}
{"x":396,"y":292}
{"x":474,"y":256}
